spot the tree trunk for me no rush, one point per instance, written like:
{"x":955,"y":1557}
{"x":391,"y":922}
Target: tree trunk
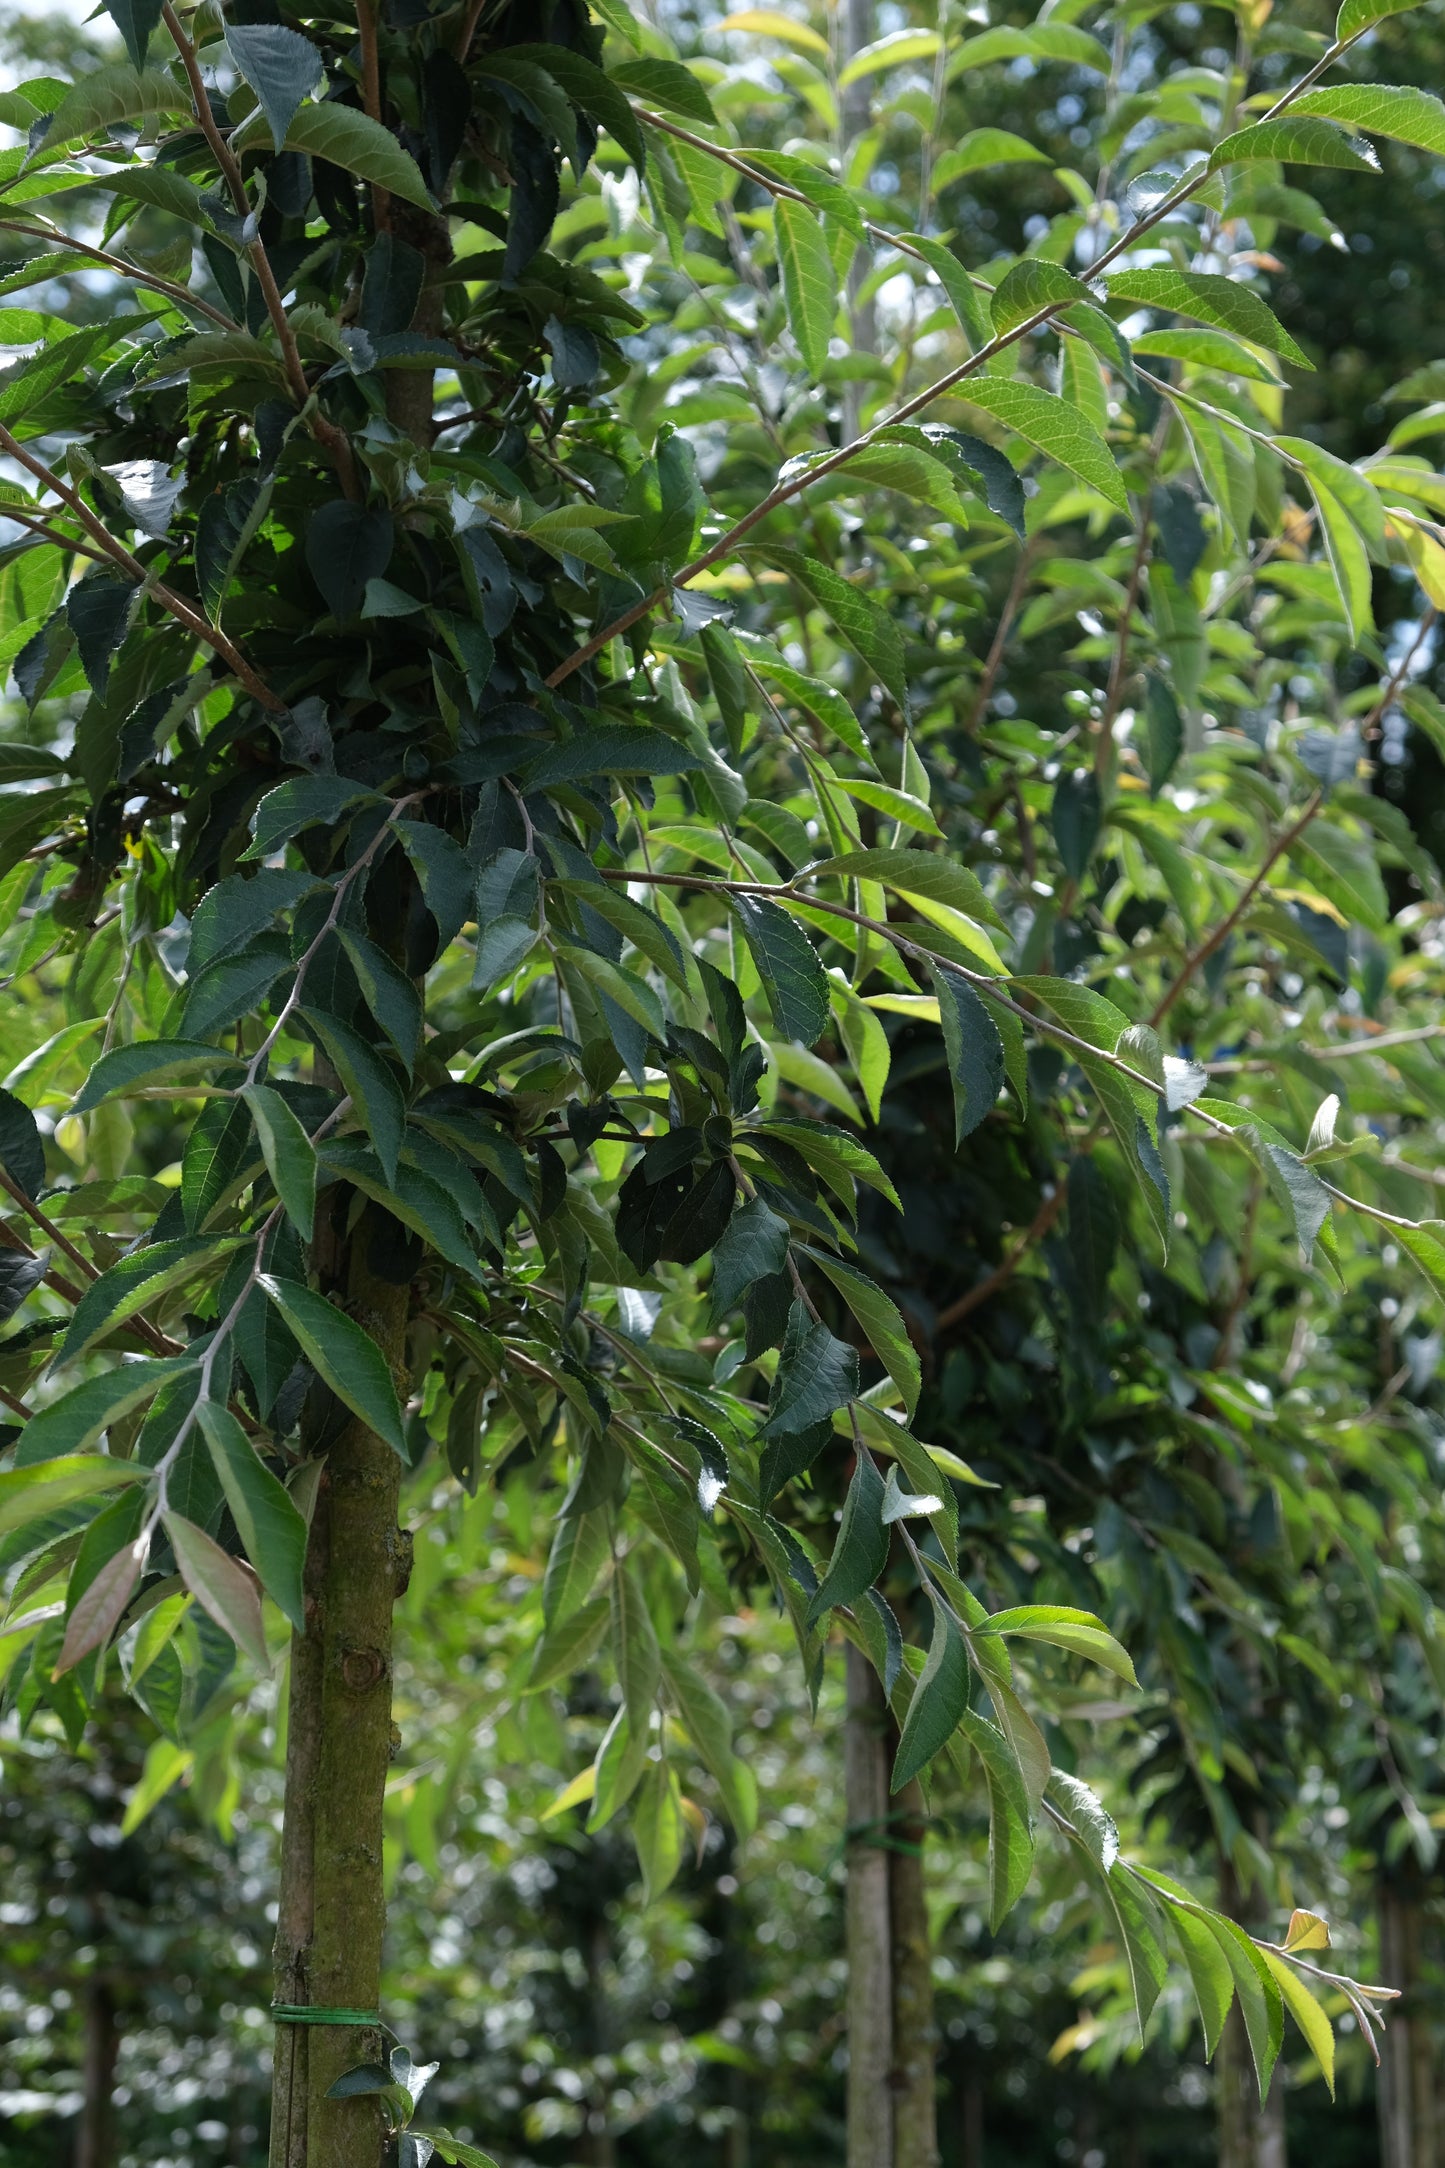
{"x":1250,"y":2136}
{"x":1406,"y":2088}
{"x":858,"y":24}
{"x":870,"y":1987}
{"x":95,"y":2140}
{"x":332,"y":1908}
{"x":915,"y":2113}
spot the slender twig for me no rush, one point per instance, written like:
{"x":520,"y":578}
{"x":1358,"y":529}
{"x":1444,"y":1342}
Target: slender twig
{"x":995,"y":656}
{"x":338,"y":901}
{"x":1008,"y":1265}
{"x":16,"y":1407}
{"x":181,"y":295}
{"x":1220,"y":934}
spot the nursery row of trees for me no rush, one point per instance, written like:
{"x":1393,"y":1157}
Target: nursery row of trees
{"x":718,"y":877}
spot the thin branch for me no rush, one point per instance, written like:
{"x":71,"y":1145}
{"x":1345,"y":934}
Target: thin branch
{"x":996,"y":652}
{"x":1008,"y":1265}
{"x":1212,"y":941}
{"x":181,"y":295}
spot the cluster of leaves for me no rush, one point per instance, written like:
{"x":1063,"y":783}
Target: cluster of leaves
{"x":486,"y":801}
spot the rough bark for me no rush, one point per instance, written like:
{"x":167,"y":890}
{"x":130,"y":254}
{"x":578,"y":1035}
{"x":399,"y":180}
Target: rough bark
{"x":332,"y":1913}
{"x":95,"y":2139}
{"x":1409,"y":2106}
{"x":915,"y":2112}
{"x":870,"y":1989}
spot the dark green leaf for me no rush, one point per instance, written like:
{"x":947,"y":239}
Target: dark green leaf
{"x":793,"y":979}
{"x":289,"y":1155}
{"x":268,"y":1523}
{"x":861,"y":1551}
{"x":343,"y":1355}
{"x":281,"y":67}
{"x":940,"y":1696}
{"x":974,"y":1049}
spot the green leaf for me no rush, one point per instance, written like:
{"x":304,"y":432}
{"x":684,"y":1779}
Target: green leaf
{"x":817,"y":699}
{"x":136,"y":20}
{"x":1396,"y":110}
{"x":985,"y":147}
{"x":222,"y":1587}
{"x":445,"y":876}
{"x":861,"y":1550}
{"x":21,"y":1152}
{"x":1357,"y":16}
{"x":1349,"y":561}
{"x":281,"y":67}
{"x":347,"y":138}
{"x":863,"y":624}
{"x":569,"y":1644}
{"x":793,"y":979}
{"x":109,"y":97}
{"x":635,"y":1649}
{"x":150,"y":1061}
{"x":1065,"y":1629}
{"x":1053,"y":427}
{"x":99,"y":1611}
{"x":1213,"y":300}
{"x":816,"y":1374}
{"x":753,"y":1246}
{"x":29,"y":1494}
{"x":810,"y":281}
{"x":368,"y":1079}
{"x":289,"y":1155}
{"x":1206,"y":350}
{"x":73,"y":1422}
{"x":666,"y":83}
{"x":918,"y":874}
{"x":710,"y":1729}
{"x":889,"y":51}
{"x":881,"y":1320}
{"x":1294,"y":140}
{"x":1039,"y":41}
{"x":136,"y":1280}
{"x":940,"y":1696}
{"x":342,"y":1355}
{"x":306,"y":801}
{"x":1209,"y":1973}
{"x":1032,"y":285}
{"x":1259,"y":1996}
{"x":1087,"y":1817}
{"x":974,"y":1049}
{"x":958,"y":284}
{"x":389,"y":994}
{"x":1010,"y":1837}
{"x":267,"y":1521}
{"x":1307,"y":2014}
{"x":658,"y":1831}
{"x":237,"y":986}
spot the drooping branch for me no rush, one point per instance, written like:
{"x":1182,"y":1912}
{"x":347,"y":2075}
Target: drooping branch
{"x":783,"y":492}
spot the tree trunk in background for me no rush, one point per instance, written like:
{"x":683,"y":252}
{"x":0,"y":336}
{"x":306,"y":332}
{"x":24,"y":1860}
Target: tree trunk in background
{"x":1409,"y":2105}
{"x":332,"y":1912}
{"x":1250,"y":2136}
{"x":915,"y":2112}
{"x":95,"y":2140}
{"x":870,"y":1985}
{"x":857,"y":26}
